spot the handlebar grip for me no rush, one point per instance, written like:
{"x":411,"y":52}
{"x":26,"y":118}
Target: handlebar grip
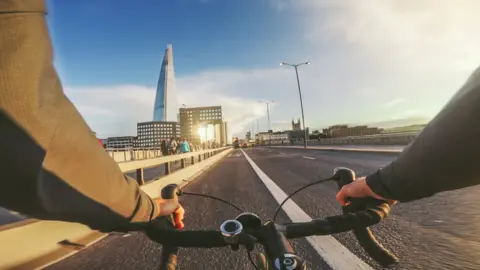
{"x":373,"y":248}
{"x":169,"y":253}
{"x":172,"y":191}
{"x":366,"y":239}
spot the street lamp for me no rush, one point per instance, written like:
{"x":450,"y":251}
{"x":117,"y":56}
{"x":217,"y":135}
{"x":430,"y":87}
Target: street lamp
{"x":300,"y":94}
{"x":268,"y":116}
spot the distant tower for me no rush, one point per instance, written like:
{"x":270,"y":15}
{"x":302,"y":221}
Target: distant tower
{"x":166,"y":85}
{"x":296,"y":126}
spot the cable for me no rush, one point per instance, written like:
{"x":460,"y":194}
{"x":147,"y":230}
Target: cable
{"x":295,"y":192}
{"x":215,"y":198}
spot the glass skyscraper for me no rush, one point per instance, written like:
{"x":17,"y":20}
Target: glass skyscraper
{"x":166,"y":85}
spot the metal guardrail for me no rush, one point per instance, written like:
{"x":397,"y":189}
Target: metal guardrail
{"x":129,"y":154}
{"x":54,"y":239}
{"x":138,"y":166}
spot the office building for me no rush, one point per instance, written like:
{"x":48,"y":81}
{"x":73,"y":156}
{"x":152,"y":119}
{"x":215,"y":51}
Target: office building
{"x":151,"y":134}
{"x":165,"y":86}
{"x":203,"y":124}
{"x":273,"y":137}
{"x":298,"y":135}
{"x":121,"y":142}
{"x":296,"y":126}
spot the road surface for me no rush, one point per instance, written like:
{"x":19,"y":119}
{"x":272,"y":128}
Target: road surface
{"x":441,"y":232}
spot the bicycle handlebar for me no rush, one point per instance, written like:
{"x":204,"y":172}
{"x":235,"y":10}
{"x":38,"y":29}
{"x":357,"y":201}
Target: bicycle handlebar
{"x":370,"y":213}
{"x":247,"y":230}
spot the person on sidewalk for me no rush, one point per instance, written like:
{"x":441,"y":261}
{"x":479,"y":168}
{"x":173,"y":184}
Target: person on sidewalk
{"x":192,"y":149}
{"x":184,"y":146}
{"x":172,"y":146}
{"x":163,"y":147}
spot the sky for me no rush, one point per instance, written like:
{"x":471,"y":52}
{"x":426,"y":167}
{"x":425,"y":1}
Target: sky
{"x":385,"y":63}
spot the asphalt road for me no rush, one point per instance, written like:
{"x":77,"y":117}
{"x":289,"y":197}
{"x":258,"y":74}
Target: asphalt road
{"x":436,"y":233}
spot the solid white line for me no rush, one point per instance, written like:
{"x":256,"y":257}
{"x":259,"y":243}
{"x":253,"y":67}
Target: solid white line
{"x":309,"y":157}
{"x":335,"y":254}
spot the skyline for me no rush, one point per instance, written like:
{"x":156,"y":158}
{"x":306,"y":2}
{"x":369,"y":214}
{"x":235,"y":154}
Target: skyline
{"x":372,"y":61}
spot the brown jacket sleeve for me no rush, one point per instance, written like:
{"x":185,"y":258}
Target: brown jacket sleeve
{"x":444,"y":156}
{"x":53,"y":167}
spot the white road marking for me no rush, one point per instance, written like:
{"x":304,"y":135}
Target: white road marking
{"x":335,"y":254}
{"x":281,"y":153}
{"x":309,"y":157}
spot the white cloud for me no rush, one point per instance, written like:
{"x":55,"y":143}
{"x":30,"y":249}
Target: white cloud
{"x":115,"y":110}
{"x":408,"y":56}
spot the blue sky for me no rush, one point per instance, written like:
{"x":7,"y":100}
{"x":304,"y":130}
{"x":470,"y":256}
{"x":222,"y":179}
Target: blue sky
{"x":376,"y":62}
{"x":117,"y":41}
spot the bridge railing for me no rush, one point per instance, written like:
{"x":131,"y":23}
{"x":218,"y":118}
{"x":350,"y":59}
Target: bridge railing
{"x":138,"y":167}
{"x":52,"y":238}
{"x":184,"y":159}
{"x":138,"y":153}
{"x":401,"y":138}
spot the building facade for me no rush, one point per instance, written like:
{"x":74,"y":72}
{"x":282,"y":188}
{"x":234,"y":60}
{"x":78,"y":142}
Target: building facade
{"x":203,"y":124}
{"x":296,"y":126}
{"x":274,"y":137}
{"x":165,"y":86}
{"x":121,"y":142}
{"x":298,"y":135}
{"x":151,"y":134}
{"x":346,"y":131}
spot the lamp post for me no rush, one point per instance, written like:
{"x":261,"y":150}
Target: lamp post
{"x":300,"y":94}
{"x":268,"y":117}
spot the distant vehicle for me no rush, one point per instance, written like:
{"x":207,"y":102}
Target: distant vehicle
{"x":236,"y":144}
{"x":243,"y":143}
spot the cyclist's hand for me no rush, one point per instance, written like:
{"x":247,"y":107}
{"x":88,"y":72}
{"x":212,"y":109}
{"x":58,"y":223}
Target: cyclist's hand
{"x":358,"y":189}
{"x":168,"y":207}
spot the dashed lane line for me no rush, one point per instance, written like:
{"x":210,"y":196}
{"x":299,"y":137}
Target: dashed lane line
{"x":337,"y":256}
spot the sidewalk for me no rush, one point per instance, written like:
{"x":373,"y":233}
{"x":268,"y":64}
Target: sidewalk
{"x":357,"y":148}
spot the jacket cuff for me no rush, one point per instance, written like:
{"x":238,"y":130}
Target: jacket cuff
{"x":23,"y":6}
{"x":146,"y":210}
{"x":375,"y":183}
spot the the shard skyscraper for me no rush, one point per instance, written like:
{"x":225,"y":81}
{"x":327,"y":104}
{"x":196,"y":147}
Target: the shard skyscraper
{"x":165,"y":87}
